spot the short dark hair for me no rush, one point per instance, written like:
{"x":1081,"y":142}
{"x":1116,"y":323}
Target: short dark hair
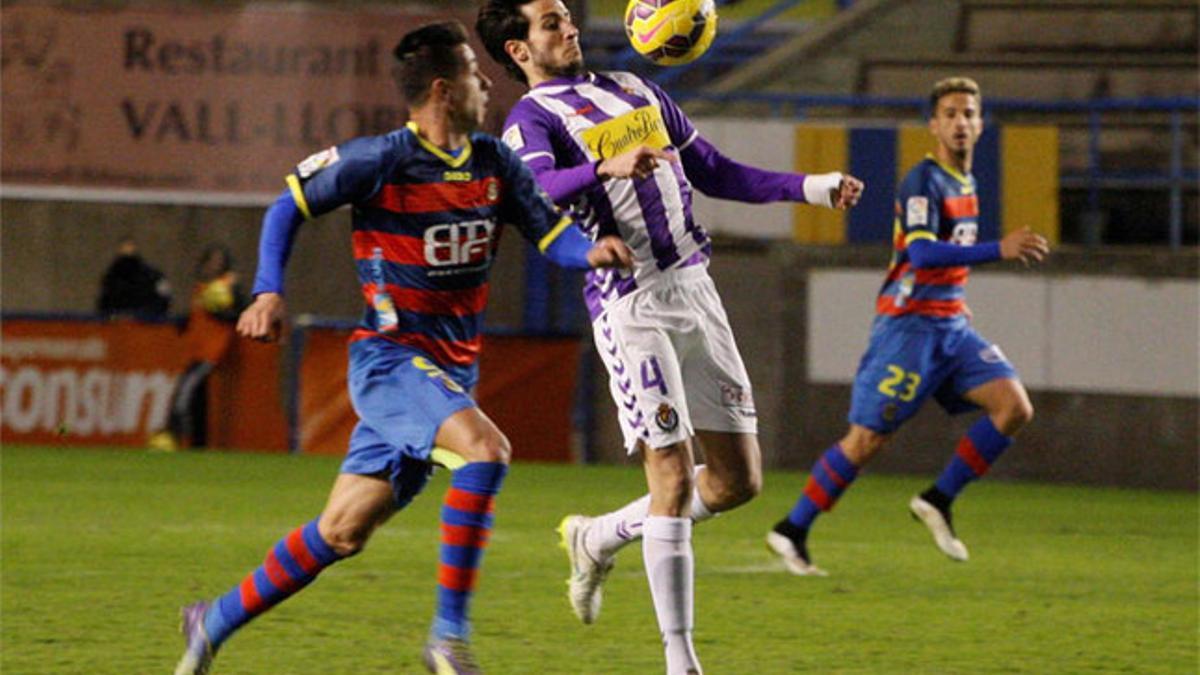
{"x":426,"y":54}
{"x":952,"y":85}
{"x":498,"y":22}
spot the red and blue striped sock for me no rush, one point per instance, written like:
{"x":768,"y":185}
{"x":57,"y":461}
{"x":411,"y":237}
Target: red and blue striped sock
{"x":830,"y":477}
{"x":290,"y":566}
{"x":975,"y":454}
{"x":466,"y":523}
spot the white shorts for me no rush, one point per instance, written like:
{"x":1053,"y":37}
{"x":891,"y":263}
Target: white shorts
{"x":673,"y":365}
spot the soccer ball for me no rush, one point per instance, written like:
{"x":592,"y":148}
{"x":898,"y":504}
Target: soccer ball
{"x":671,"y":32}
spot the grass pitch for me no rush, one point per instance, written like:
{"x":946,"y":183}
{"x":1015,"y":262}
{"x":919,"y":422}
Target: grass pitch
{"x":100,"y":548}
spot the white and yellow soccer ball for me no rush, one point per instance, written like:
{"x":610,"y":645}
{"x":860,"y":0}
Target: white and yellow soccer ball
{"x":671,"y":32}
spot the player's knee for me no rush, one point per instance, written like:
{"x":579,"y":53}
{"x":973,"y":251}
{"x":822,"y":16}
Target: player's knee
{"x":733,"y":492}
{"x":346,"y":539}
{"x":488,"y":446}
{"x":1016,"y":416}
{"x":861,"y":444}
{"x":750,"y":486}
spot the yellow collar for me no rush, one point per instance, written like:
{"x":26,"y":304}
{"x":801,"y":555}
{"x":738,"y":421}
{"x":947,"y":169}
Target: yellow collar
{"x":441,"y":154}
{"x":948,"y":169}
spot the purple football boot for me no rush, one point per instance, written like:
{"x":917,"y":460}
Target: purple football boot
{"x":450,"y":656}
{"x":199,"y":653}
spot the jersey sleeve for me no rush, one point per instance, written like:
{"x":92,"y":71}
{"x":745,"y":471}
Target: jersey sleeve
{"x":679,"y":127}
{"x":525,"y":204}
{"x":342,"y":174}
{"x":919,"y":207}
{"x":527,"y":132}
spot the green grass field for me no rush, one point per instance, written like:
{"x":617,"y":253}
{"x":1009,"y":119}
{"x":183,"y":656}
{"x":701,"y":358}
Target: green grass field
{"x":99,"y":549}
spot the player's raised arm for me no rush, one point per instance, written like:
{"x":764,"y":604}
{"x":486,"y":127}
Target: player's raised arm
{"x":557,"y":236}
{"x":639,"y":163}
{"x":718,"y":176}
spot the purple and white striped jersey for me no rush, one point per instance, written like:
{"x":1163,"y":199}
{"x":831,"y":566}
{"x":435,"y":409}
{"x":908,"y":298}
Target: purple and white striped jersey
{"x":573,"y":123}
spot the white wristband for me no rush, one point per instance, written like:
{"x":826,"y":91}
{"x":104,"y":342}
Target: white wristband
{"x":818,"y":188}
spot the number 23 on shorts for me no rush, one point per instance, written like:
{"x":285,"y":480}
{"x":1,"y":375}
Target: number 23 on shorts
{"x":900,"y":384}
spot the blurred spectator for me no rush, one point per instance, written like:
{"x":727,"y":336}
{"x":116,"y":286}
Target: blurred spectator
{"x":131,"y":287}
{"x":216,"y":302}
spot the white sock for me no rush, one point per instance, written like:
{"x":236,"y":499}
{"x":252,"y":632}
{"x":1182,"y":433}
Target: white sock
{"x":667,"y":550}
{"x":610,"y":532}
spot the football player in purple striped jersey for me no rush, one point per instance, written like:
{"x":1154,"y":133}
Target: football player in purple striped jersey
{"x":619,"y":151}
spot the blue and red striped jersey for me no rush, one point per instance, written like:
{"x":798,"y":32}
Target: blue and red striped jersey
{"x":938,"y":203}
{"x":426,"y":227}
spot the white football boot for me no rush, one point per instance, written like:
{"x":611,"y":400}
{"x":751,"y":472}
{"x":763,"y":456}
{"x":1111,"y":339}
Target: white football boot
{"x":584,"y":586}
{"x":938,"y":522}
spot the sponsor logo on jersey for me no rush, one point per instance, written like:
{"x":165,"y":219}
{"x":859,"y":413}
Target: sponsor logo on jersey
{"x":456,"y":176}
{"x":965,"y":234}
{"x":468,"y":242}
{"x":315,"y":162}
{"x":666,"y":418}
{"x":917,"y":211}
{"x":905,"y":289}
{"x":734,"y":396}
{"x":641,"y":126}
{"x":512,"y":138}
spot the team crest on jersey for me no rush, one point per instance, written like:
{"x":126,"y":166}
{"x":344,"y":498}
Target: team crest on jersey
{"x":493,"y":190}
{"x":992,"y":354}
{"x":917,"y":211}
{"x":666,"y":418}
{"x":512,"y":138}
{"x":315,"y":162}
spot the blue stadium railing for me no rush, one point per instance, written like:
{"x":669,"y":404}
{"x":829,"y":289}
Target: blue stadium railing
{"x":1094,"y":178}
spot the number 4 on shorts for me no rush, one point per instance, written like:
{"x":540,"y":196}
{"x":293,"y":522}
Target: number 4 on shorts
{"x":652,"y":375}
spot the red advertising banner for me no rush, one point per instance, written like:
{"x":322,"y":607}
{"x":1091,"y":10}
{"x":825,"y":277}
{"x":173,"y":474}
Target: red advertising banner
{"x":79,"y":382}
{"x":110,"y":383}
{"x":84,"y":383}
{"x":526,"y":386}
{"x":206,"y":100}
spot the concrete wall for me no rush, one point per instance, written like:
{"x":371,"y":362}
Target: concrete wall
{"x":1108,"y":343}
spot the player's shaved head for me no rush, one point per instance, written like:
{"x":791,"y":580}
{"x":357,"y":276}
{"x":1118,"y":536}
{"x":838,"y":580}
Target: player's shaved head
{"x":953,"y":85}
{"x":426,"y":54}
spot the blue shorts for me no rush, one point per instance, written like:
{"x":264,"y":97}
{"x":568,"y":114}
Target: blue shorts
{"x":402,"y":398}
{"x":902,"y":367}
